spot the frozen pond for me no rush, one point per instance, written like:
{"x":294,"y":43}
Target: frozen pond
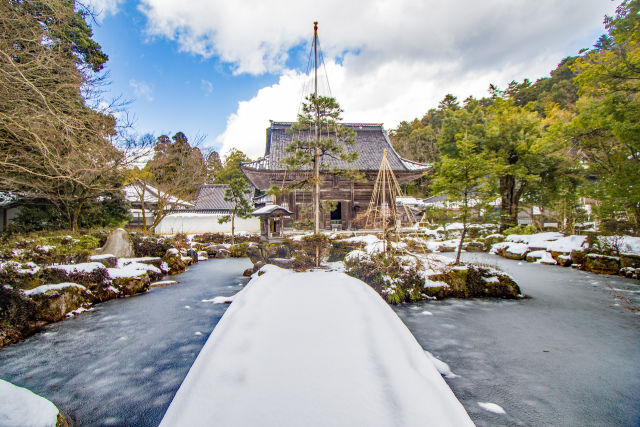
{"x":569,"y":355}
{"x":566,"y":356}
{"x":122,"y":362}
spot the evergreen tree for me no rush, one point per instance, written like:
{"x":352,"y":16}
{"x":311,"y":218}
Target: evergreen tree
{"x":237,"y":193}
{"x":320,"y":119}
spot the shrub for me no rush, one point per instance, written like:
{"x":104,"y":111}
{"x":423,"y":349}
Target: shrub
{"x":521,"y":229}
{"x":150,"y":246}
{"x":239,"y":250}
{"x":395,"y":278}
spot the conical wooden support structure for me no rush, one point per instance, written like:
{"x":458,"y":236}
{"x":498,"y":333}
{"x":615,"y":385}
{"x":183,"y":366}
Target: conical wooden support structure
{"x":382,"y":212}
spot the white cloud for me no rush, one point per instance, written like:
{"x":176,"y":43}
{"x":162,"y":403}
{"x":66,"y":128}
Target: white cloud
{"x":142,"y":89}
{"x":396,"y":91}
{"x":104,"y":7}
{"x":206,"y":86}
{"x":397,"y":58}
{"x":255,"y":35}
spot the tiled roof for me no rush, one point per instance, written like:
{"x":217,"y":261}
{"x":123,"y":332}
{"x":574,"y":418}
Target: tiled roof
{"x":371,"y":141}
{"x":211,"y":197}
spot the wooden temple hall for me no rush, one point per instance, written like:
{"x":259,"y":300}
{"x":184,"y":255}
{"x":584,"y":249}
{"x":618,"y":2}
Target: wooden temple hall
{"x":352,"y":197}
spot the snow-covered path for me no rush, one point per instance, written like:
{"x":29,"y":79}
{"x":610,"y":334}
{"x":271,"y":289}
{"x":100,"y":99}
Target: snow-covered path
{"x":312,"y":349}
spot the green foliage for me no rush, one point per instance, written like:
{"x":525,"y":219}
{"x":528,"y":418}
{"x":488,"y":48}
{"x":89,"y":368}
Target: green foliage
{"x":238,"y":250}
{"x":38,"y":215}
{"x":521,"y":229}
{"x":231,"y":171}
{"x":50,"y":247}
{"x":149,"y":245}
{"x":237,"y":193}
{"x":397,"y":279}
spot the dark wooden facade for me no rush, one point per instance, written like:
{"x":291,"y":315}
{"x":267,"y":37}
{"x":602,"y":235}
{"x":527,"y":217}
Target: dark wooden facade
{"x":352,"y":197}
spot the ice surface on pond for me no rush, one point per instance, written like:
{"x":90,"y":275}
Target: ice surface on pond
{"x":122,"y":362}
{"x":540,"y":358}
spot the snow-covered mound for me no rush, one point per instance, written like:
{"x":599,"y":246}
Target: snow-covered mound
{"x":624,"y":244}
{"x":312,"y":349}
{"x":535,"y":241}
{"x":567,"y":244}
{"x":22,"y":407}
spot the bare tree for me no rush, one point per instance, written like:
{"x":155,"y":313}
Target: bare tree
{"x":52,"y":145}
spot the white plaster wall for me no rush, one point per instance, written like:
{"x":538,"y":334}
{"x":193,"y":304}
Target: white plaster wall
{"x":205,"y":223}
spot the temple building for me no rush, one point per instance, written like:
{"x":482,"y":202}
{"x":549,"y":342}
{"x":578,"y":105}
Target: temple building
{"x":351,"y":197}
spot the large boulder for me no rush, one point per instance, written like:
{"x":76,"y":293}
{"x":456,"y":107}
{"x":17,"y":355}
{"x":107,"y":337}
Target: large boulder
{"x":474,"y":281}
{"x":516,"y":251}
{"x":132,"y":285}
{"x":279,"y":251}
{"x":629,"y":260}
{"x":282,"y":262}
{"x":118,"y":244}
{"x":255,"y":252}
{"x":53,"y":302}
{"x":107,"y":260}
{"x":17,"y":316}
{"x":474,"y":247}
{"x":86,"y":274}
{"x":174,"y":261}
{"x":601,"y":264}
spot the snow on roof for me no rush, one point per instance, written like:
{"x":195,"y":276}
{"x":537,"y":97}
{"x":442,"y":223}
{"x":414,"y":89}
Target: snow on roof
{"x":6,"y":199}
{"x":277,"y":352}
{"x":266,"y":210}
{"x":133,"y":193}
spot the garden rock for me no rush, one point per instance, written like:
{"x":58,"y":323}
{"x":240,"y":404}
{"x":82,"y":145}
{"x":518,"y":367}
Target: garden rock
{"x":118,"y":244}
{"x":601,"y":264}
{"x":53,"y":302}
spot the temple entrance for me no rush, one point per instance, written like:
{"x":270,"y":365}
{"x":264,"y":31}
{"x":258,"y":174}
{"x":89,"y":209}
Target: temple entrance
{"x":336,"y":217}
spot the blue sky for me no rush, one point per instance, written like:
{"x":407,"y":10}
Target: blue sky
{"x":169,"y":90}
{"x":221,"y":70}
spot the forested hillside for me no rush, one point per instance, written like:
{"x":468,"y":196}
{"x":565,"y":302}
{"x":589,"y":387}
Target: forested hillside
{"x":549,"y":142}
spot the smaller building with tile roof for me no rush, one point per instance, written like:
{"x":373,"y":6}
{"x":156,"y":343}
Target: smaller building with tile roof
{"x":207,"y":208}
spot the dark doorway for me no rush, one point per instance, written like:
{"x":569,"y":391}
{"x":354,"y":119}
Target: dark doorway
{"x":336,"y":214}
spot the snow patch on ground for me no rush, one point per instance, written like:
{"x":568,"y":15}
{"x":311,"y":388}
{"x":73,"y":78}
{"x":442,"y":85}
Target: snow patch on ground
{"x":567,"y":244}
{"x":277,"y":352}
{"x":220,"y":300}
{"x":441,"y":366}
{"x":44,"y":288}
{"x":85,"y":267}
{"x":22,"y":407}
{"x":491,"y":407}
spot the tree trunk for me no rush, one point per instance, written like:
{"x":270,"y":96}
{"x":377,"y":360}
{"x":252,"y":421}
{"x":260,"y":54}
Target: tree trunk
{"x":316,"y":193}
{"x":465,"y":211}
{"x":75,"y":215}
{"x":464,"y":232}
{"x":510,"y":198}
{"x":233,"y":226}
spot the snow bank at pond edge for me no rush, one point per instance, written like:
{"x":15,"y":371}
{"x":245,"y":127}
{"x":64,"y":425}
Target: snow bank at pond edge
{"x":313,"y":348}
{"x":22,"y":407}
